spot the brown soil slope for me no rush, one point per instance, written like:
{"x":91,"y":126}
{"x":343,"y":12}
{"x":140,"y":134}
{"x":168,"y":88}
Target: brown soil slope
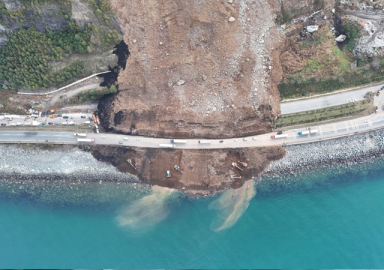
{"x":192,"y":72}
{"x":201,"y":171}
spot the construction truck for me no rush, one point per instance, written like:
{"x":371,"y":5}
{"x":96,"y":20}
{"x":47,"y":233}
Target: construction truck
{"x":279,"y":136}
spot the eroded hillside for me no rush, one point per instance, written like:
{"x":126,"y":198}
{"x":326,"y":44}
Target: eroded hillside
{"x":196,"y":69}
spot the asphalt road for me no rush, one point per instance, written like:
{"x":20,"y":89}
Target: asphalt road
{"x":324,"y":132}
{"x":325,"y":101}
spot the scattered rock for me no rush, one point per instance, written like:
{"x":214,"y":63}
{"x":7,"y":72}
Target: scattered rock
{"x":180,"y":82}
{"x":312,"y":28}
{"x":341,"y":38}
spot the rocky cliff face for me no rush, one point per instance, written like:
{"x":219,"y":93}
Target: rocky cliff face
{"x":196,"y":69}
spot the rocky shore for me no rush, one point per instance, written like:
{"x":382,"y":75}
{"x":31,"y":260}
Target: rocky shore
{"x":69,"y":163}
{"x":348,"y":150}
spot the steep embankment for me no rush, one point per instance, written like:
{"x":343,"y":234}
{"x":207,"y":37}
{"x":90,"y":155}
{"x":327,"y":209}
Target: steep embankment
{"x":196,"y":69}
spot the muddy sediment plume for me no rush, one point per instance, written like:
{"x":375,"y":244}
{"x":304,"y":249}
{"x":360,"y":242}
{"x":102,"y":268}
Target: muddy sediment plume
{"x":231,"y":205}
{"x":199,"y":171}
{"x":192,"y":72}
{"x":148,"y":211}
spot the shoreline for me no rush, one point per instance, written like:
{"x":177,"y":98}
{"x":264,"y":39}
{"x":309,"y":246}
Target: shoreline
{"x":299,"y":158}
{"x":76,"y":166}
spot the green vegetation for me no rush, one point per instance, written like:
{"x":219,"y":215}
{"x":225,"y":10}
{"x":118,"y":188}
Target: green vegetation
{"x":90,"y":96}
{"x":351,"y":109}
{"x":313,"y":85}
{"x":37,"y":57}
{"x":24,"y":59}
{"x":283,"y":17}
{"x":327,"y":67}
{"x":352,"y":32}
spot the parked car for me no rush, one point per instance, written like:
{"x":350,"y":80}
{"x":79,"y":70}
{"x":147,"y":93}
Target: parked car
{"x":50,"y":123}
{"x":221,"y":141}
{"x":3,"y":124}
{"x":59,"y":115}
{"x":57,"y":123}
{"x":83,"y":116}
{"x":65,"y":117}
{"x":280,"y":132}
{"x":244,"y":139}
{"x":120,"y":142}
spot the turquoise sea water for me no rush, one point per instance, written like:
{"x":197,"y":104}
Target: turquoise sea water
{"x":323,"y":219}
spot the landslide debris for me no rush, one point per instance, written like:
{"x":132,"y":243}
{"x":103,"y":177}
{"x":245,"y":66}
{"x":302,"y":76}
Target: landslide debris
{"x":193,"y":71}
{"x":200,"y":171}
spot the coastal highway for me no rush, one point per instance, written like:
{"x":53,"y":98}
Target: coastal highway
{"x":325,"y":101}
{"x":327,"y":131}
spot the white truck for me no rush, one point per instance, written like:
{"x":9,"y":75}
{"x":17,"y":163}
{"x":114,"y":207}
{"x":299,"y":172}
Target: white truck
{"x":87,"y":122}
{"x":280,"y":136}
{"x":167,"y":145}
{"x":85,"y":140}
{"x":205,"y":142}
{"x":81,"y":134}
{"x":310,"y":131}
{"x":178,"y":141}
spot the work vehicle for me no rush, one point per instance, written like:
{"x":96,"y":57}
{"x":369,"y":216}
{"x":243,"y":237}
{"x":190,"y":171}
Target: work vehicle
{"x":205,"y":142}
{"x":80,"y":134}
{"x":279,"y":136}
{"x":178,"y":141}
{"x":167,"y":145}
{"x":85,"y":140}
{"x":306,"y":132}
{"x":309,"y":131}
